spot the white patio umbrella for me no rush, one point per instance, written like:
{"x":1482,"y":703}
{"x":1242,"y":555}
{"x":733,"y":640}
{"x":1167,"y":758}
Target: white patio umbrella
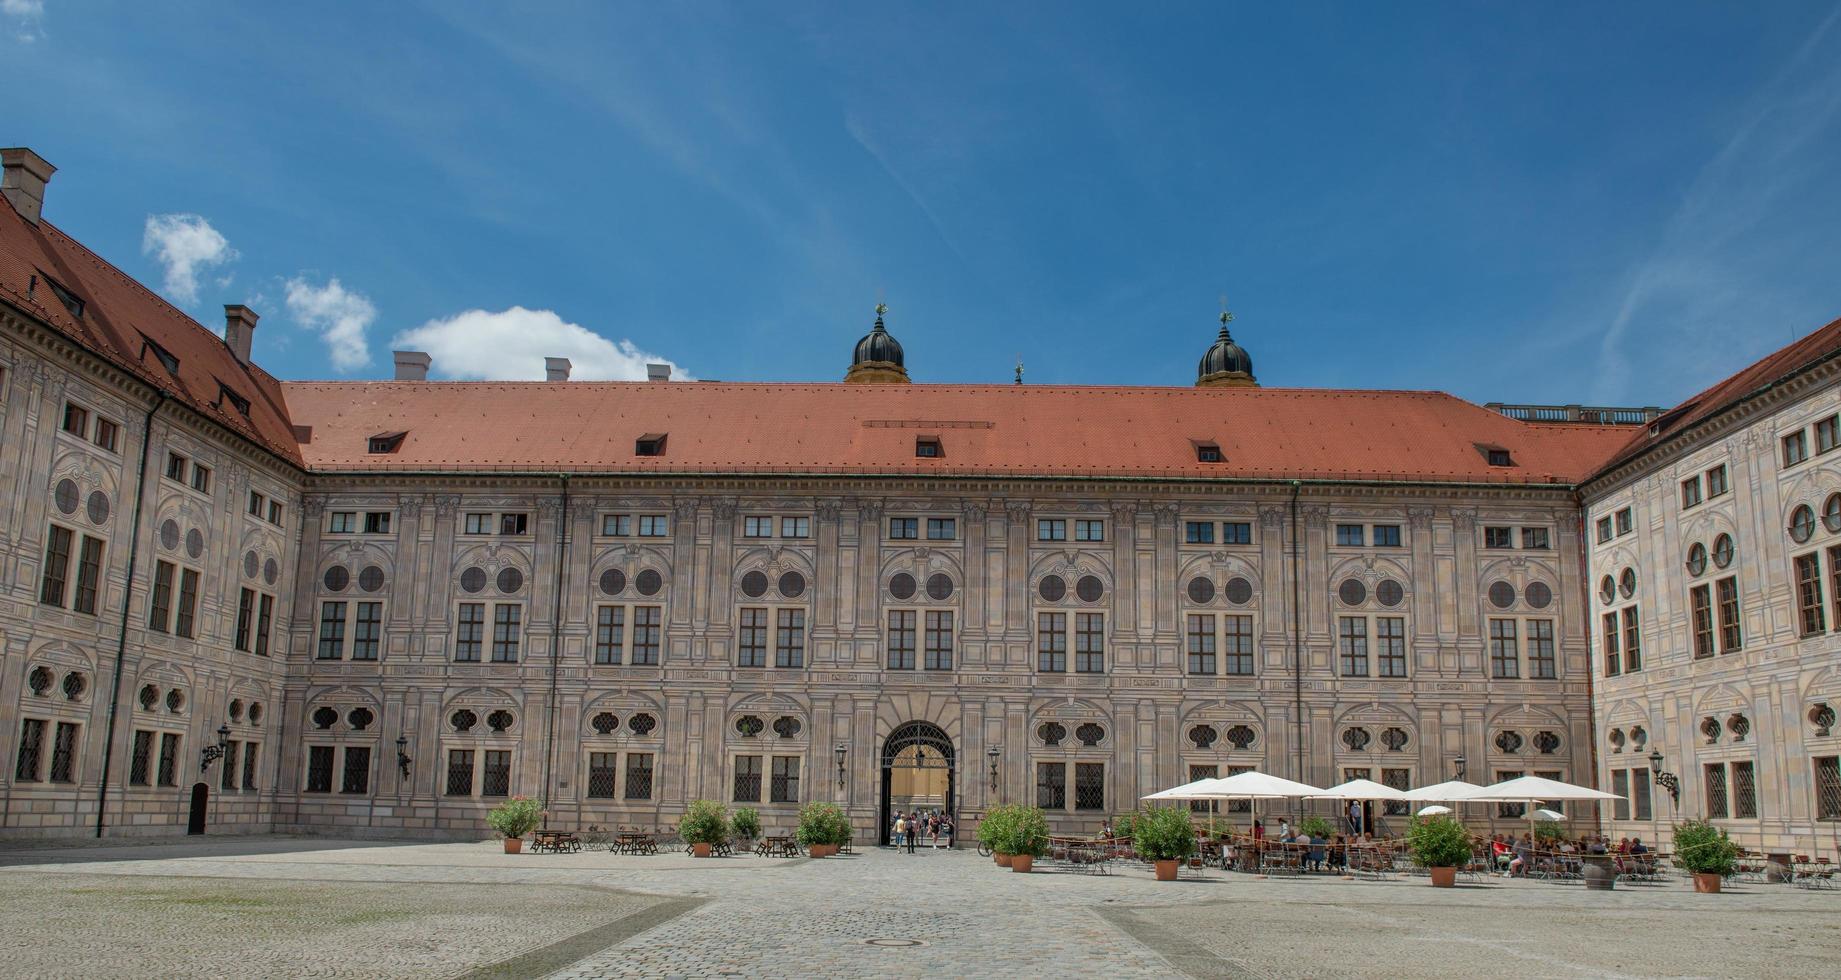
{"x":1445,"y":792}
{"x":1433,"y":811}
{"x":1549,"y":816}
{"x":1533,"y":791}
{"x":1256,"y":786}
{"x":1187,"y":791}
{"x":1361,"y":789}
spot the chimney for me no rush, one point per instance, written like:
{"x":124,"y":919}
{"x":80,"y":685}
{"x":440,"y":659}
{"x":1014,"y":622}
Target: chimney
{"x":555,"y":369}
{"x":27,"y":173}
{"x":239,"y":329}
{"x":411,"y":365}
{"x":658,"y":372}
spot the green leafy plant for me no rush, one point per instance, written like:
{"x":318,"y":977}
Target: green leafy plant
{"x":1023,"y":831}
{"x":706,"y":822}
{"x":1317,"y":827}
{"x":746,"y":822}
{"x":822,"y":823}
{"x":1438,"y":842}
{"x":838,"y":828}
{"x":991,"y":829}
{"x":1549,"y":833}
{"x":1163,"y":834}
{"x":1704,"y":849}
{"x":516,"y":817}
{"x":1122,"y":824}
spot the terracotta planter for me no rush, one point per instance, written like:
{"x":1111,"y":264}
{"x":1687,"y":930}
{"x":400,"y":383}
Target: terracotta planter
{"x":700,"y":850}
{"x":1709,"y":883}
{"x":820,"y":850}
{"x":1443,"y":877}
{"x":1003,"y":860}
{"x":514,"y":845}
{"x":1022,"y":862}
{"x":1166,"y":870}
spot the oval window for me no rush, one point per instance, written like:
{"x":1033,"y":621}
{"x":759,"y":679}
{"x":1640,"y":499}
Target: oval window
{"x":1239,"y":591}
{"x":1697,"y":559}
{"x":1802,"y":523}
{"x":1201,"y":591}
{"x":1626,"y":583}
{"x":754,"y":584}
{"x":939,"y":587}
{"x":1722,"y":550}
{"x":902,"y":586}
{"x":1352,"y":592}
{"x":1052,"y":589}
{"x":613,"y":582}
{"x":1501,"y":595}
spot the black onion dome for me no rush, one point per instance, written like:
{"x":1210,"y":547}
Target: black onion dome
{"x":878,"y":346}
{"x":1223,"y":357}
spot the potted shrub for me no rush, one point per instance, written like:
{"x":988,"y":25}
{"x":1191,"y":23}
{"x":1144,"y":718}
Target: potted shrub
{"x":1441,"y":845}
{"x":1549,"y":835}
{"x":991,"y":833}
{"x":818,"y":828}
{"x":704,"y":825}
{"x":840,"y":830}
{"x":1317,"y":827}
{"x":1025,"y":836}
{"x":746,"y":823}
{"x":513,"y":819}
{"x":1164,"y":836}
{"x":1705,"y":852}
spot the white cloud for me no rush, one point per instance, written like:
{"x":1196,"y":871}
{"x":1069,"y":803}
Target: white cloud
{"x":510,"y":345}
{"x":27,"y":16}
{"x":339,"y":315}
{"x":187,"y":246}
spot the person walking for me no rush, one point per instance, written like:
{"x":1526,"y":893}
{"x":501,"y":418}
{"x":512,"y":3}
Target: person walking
{"x":913,"y":831}
{"x":901,"y":830}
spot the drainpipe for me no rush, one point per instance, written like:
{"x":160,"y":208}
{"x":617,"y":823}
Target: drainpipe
{"x":127,"y":601}
{"x":1297,"y":637}
{"x":556,"y":626}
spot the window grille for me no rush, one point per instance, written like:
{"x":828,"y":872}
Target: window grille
{"x":785,"y":784}
{"x":1051,"y":732}
{"x":496,"y":778}
{"x":1051,"y":786}
{"x":601,"y":775}
{"x":319,"y":768}
{"x":460,"y":772}
{"x":1204,"y":737}
{"x":639,"y":775}
{"x":1241,"y":738}
{"x":31,"y":750}
{"x":357,"y":777}
{"x":141,"y":763}
{"x":606,"y":723}
{"x":1090,"y":734}
{"x":1089,"y":785}
{"x":747,"y":779}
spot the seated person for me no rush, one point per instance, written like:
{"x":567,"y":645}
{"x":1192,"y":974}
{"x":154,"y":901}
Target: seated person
{"x":1636,"y":846}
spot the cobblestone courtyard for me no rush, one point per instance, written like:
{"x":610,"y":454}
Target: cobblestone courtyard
{"x":298,"y":907}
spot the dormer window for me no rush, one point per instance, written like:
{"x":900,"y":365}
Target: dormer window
{"x":927,"y":447}
{"x":161,"y":354}
{"x":237,"y":401}
{"x":1207,"y":452}
{"x":1496,"y":455}
{"x":386,"y":442}
{"x":72,"y":302}
{"x":650,"y":444}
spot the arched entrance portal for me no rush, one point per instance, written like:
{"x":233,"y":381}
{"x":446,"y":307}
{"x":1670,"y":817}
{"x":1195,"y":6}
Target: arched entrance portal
{"x":917,"y":773}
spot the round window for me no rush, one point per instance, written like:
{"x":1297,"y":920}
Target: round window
{"x":371,"y":579}
{"x":473,"y":580}
{"x":939,"y":587}
{"x":1239,"y":591}
{"x":754,"y":584}
{"x":337,"y":578}
{"x":792,"y":585}
{"x":1607,"y":590}
{"x":1352,"y":592}
{"x":1626,"y":583}
{"x":1722,"y":550}
{"x":613,"y":582}
{"x":195,"y":543}
{"x":648,"y":582}
{"x":68,"y":496}
{"x":1697,"y":558}
{"x":902,"y":586}
{"x":98,"y":507}
{"x":1802,"y":523}
{"x":1389,"y":592}
{"x":169,"y":533}
{"x":1201,"y":590}
{"x":1089,"y":588}
{"x":1831,"y":512}
{"x":1538,"y":595}
{"x":1052,"y":588}
{"x":510,"y":580}
{"x":1501,"y":595}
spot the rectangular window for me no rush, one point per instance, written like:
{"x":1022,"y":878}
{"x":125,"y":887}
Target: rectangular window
{"x":938,"y":651}
{"x":160,"y":608}
{"x":1827,"y":787}
{"x":56,"y":577}
{"x":1498,"y":537}
{"x":342,"y":522}
{"x":1051,"y":529}
{"x":904,"y":528}
{"x":89,"y":575}
{"x":1237,"y":532}
{"x":1727,"y":590}
{"x":795,"y":527}
{"x":785,"y":785}
{"x":1051,"y":786}
{"x":377,"y":522}
{"x":31,"y":750}
{"x":1207,"y":452}
{"x":1390,"y":646}
{"x":925,"y":448}
{"x":107,"y":432}
{"x":175,"y":467}
{"x":1795,"y":448}
{"x":1197,"y":773}
{"x":653,"y":526}
{"x":246,"y":613}
{"x":610,"y":634}
{"x":319,"y":768}
{"x":1809,"y":594}
{"x":1633,"y":642}
{"x":1716,"y":481}
{"x":1387,"y":535}
{"x":1612,"y":662}
{"x":1834,"y":577}
{"x":64,"y":753}
{"x":1624,"y":522}
{"x":757,"y":527}
{"x":639,"y":775}
{"x":140,"y":764}
{"x":188,"y":603}
{"x":1715,"y":774}
{"x":789,"y":637}
{"x":1237,"y":646}
{"x":265,"y":621}
{"x":169,"y":759}
{"x":495,"y":775}
{"x":1201,"y":644}
{"x":332,"y":630}
{"x":507,"y":618}
{"x":942,"y":528}
{"x":646,"y":620}
{"x":751,"y":640}
{"x":1700,"y":599}
{"x":76,"y":419}
{"x":1510,"y":811}
{"x":603,"y":774}
{"x":479,"y":524}
{"x":1352,"y":646}
{"x":470,"y":633}
{"x":366,"y":630}
{"x":256,"y":501}
{"x":274,"y":512}
{"x":1089,"y":530}
{"x":357,"y":776}
{"x":227,"y":774}
{"x":1690,"y":491}
{"x":901,"y":639}
{"x":1504,"y":650}
{"x":250,"y":751}
{"x":616,"y":525}
{"x":1604,"y":529}
{"x":1620,"y":787}
{"x":1349,"y":535}
{"x":1052,"y":642}
{"x":201,"y":478}
{"x":1744,"y":784}
{"x":1089,"y":643}
{"x":460,"y":772}
{"x":1089,"y":786}
{"x":1535,"y":538}
{"x":1542,"y":664}
{"x":1198,"y":532}
{"x":1640,"y":803}
{"x":514,"y":524}
{"x":747,"y":779}
{"x":1827,"y":434}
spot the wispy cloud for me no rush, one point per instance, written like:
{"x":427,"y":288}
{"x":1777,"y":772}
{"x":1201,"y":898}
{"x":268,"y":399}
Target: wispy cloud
{"x":27,"y":18}
{"x":340,"y":316}
{"x":186,"y":246}
{"x":510,"y":345}
{"x":1696,"y":286}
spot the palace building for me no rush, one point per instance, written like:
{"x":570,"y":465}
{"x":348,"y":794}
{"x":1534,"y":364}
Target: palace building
{"x":235,"y":604}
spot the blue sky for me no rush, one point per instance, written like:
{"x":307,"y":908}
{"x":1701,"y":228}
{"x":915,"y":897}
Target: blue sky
{"x":1610,"y":203}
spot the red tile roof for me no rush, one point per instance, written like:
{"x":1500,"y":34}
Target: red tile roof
{"x":984,"y":430}
{"x":119,"y":312}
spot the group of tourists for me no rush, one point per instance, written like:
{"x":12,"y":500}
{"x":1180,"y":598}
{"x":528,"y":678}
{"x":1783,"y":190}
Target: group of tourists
{"x":1517,"y":856}
{"x":912,"y":827}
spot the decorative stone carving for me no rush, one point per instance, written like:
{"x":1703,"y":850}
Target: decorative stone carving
{"x":975,"y":512}
{"x":1419,"y":517}
{"x":409,"y":506}
{"x":1463,"y":519}
{"x":723,"y":508}
{"x":313,"y":504}
{"x":685,"y":508}
{"x":1272,"y":517}
{"x":446,"y":505}
{"x":829,"y":510}
{"x":1016,"y":511}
